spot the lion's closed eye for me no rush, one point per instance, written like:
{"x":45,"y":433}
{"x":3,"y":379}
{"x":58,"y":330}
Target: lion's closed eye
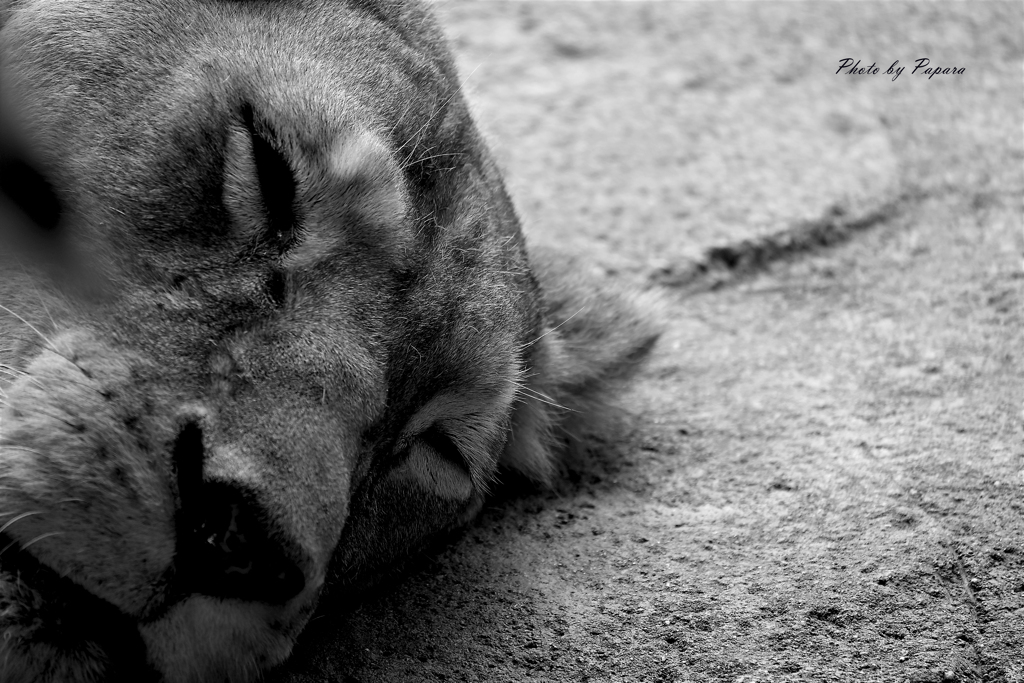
{"x":259,"y":184}
{"x":276,"y":182}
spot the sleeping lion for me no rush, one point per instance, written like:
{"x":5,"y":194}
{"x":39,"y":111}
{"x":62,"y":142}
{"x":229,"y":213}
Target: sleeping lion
{"x":267,"y":326}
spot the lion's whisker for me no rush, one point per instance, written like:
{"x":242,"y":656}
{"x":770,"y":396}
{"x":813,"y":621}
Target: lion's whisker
{"x":19,"y":518}
{"x":30,"y":326}
{"x":531,"y":343}
{"x":439,"y":109}
{"x":5,"y":447}
{"x":39,"y":538}
{"x":31,"y":408}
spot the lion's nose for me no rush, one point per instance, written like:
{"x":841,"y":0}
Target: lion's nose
{"x":227,"y":545}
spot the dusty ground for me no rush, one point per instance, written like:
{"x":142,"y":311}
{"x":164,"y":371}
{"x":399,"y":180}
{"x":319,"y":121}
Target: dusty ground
{"x":821,"y":473}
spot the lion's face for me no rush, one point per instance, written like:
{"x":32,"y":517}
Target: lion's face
{"x":278,"y":337}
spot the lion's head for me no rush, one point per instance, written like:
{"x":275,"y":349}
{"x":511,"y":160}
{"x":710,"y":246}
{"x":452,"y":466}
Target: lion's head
{"x":268,"y":325}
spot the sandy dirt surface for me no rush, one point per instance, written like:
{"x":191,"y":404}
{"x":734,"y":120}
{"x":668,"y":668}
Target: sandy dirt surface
{"x":820,"y":475}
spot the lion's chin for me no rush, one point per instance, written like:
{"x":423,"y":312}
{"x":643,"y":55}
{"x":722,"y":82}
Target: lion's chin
{"x":190,"y":641}
{"x":51,"y":629}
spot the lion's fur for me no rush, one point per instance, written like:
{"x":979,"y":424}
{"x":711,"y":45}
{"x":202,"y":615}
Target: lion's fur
{"x":290,"y":288}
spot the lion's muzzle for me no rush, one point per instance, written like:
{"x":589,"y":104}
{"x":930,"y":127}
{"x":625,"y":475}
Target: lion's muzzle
{"x":108,"y":509}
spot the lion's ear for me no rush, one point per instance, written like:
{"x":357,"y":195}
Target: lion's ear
{"x":595,"y":339}
{"x":435,"y":464}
